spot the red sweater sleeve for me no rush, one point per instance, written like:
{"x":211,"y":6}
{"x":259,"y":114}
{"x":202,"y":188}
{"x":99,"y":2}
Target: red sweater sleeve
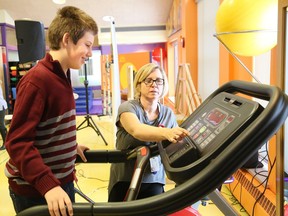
{"x":22,"y":135}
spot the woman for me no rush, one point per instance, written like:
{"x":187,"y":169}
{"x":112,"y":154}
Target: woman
{"x":3,"y":107}
{"x":144,"y":121}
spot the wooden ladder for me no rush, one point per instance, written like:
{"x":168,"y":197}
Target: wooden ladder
{"x":186,"y":97}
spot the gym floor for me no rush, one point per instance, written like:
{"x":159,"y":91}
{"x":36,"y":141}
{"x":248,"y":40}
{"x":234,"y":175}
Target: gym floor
{"x":93,"y":178}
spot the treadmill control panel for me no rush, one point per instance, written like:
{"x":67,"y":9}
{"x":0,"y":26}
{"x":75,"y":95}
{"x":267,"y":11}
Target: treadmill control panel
{"x":202,"y":132}
{"x":211,"y":128}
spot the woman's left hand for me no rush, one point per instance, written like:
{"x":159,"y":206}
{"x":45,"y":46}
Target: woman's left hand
{"x":80,"y":151}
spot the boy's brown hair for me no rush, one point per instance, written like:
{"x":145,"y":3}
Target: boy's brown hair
{"x":73,"y":21}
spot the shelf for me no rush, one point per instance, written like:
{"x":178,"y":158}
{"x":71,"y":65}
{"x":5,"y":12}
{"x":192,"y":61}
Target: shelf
{"x":16,"y":72}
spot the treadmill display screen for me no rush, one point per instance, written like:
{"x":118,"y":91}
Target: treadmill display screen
{"x":215,"y":117}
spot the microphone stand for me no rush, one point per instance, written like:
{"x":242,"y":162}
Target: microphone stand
{"x":88,"y":118}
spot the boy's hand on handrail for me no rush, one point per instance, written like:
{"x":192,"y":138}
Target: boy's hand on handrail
{"x":80,"y":151}
{"x":57,"y":201}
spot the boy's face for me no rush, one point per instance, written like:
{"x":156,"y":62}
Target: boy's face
{"x":79,"y":52}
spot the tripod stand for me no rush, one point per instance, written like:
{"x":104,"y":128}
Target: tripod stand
{"x":88,"y":118}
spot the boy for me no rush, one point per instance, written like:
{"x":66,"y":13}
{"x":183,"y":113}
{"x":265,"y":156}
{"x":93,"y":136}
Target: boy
{"x":41,"y":141}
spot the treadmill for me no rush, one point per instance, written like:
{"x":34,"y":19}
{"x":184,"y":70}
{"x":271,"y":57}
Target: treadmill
{"x":225,"y":131}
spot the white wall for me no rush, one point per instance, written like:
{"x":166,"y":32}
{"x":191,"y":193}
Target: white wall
{"x":261,"y":71}
{"x":5,"y":17}
{"x":208,"y":48}
{"x":131,"y":37}
{"x":95,"y":78}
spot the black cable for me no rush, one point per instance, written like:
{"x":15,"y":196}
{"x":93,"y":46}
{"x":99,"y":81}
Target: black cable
{"x":265,"y":188}
{"x":242,"y":209}
{"x":260,"y":173}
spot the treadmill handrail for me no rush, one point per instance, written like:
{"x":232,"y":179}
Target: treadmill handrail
{"x":142,"y":157}
{"x":223,"y":166}
{"x":104,"y":156}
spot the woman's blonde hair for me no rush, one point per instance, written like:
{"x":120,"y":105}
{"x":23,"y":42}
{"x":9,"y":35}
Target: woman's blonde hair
{"x":143,"y":73}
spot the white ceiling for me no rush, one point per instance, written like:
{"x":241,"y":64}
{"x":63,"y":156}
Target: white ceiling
{"x":126,"y":12}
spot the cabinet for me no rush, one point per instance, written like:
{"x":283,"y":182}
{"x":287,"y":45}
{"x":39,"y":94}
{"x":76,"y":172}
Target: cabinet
{"x":16,"y":72}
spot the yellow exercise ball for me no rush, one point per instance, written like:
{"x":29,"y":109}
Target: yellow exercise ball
{"x":247,"y":27}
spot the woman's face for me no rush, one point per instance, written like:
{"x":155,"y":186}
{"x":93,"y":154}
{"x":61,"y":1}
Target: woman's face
{"x":79,"y":52}
{"x":152,"y":86}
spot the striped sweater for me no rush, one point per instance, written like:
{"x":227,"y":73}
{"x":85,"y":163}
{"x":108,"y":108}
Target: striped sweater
{"x":41,"y":141}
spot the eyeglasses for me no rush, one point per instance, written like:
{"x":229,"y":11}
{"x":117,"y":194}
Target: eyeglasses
{"x":150,"y":81}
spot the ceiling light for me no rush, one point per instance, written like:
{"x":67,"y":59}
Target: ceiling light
{"x":59,"y":1}
{"x":108,"y":18}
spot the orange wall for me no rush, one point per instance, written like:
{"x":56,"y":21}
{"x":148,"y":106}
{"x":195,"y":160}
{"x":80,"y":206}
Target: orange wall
{"x":135,"y":59}
{"x":190,"y":34}
{"x":189,"y":52}
{"x":231,"y":69}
